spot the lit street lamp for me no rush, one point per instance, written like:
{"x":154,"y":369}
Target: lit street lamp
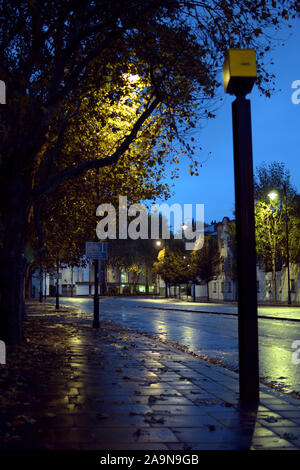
{"x":272,"y":195}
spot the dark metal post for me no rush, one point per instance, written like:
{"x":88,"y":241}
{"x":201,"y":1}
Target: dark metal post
{"x":45,"y":291}
{"x":41,"y":285}
{"x":102,"y":277}
{"x":287,"y":245}
{"x":96,"y":322}
{"x":57,"y":286}
{"x":72,"y":280}
{"x":57,"y":296}
{"x":246,"y":252}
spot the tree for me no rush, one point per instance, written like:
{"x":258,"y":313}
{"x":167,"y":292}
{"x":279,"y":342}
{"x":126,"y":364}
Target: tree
{"x":275,"y":218}
{"x":172,"y":263}
{"x":205,"y":263}
{"x":67,"y":217}
{"x":269,"y":237}
{"x":55,"y":53}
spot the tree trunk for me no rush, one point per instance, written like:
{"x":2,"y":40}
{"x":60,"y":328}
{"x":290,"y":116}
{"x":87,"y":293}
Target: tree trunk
{"x":12,"y":274}
{"x":27,"y":286}
{"x":207,"y":290}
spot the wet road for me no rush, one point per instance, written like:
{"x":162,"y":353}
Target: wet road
{"x":208,"y":334}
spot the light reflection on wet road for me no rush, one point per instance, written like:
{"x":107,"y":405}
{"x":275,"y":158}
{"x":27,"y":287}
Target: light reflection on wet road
{"x":212,"y":335}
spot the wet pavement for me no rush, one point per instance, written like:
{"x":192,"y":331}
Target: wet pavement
{"x":211,"y":333}
{"x":117,"y":389}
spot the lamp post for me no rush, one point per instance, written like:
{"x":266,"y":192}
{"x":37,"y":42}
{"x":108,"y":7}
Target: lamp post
{"x":287,"y":245}
{"x":57,"y":285}
{"x":96,"y":321}
{"x":41,"y":284}
{"x":273,"y":195}
{"x":158,"y":245}
{"x":239,"y":75}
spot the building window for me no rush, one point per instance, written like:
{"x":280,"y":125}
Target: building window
{"x":214,"y":287}
{"x":229,"y":287}
{"x":222,"y":287}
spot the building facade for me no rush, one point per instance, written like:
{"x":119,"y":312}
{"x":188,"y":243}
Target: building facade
{"x":79,"y":281}
{"x":224,"y":288}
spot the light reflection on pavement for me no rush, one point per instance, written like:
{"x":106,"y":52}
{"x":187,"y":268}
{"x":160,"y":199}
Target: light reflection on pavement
{"x":206,"y":334}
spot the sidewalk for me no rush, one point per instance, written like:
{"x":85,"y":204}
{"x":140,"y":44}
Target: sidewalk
{"x":73,"y":387}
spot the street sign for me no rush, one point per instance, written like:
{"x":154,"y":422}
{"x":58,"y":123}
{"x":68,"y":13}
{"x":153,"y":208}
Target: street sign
{"x":96,"y":250}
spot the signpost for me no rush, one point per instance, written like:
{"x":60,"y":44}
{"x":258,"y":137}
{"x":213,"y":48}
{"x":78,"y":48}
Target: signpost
{"x":96,"y":251}
{"x":239,"y":74}
{"x":57,"y":276}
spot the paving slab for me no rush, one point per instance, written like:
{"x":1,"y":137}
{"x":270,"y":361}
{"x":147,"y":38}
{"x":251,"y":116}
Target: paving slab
{"x":115,"y":389}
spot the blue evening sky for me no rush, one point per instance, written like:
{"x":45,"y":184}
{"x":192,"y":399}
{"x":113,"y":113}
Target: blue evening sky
{"x":275,"y":132}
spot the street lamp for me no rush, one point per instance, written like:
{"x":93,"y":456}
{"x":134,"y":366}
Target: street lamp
{"x":273,"y":195}
{"x":157,"y":244}
{"x":239,"y":75}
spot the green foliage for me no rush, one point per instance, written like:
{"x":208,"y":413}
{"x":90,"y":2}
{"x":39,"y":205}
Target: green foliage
{"x":277,"y":220}
{"x":172,"y":263}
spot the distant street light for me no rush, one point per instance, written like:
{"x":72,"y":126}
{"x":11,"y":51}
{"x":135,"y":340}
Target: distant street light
{"x":272,"y":195}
